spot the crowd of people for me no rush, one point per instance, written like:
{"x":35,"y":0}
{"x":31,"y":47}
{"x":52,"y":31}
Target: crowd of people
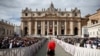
{"x":68,"y":40}
{"x":90,"y":43}
{"x":11,"y":42}
{"x":83,"y":42}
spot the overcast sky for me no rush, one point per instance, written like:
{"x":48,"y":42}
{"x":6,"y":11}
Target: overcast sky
{"x":10,"y":10}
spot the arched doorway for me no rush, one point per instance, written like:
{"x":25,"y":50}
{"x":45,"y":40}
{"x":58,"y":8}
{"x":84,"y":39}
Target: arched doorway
{"x":75,"y":31}
{"x":25,"y":31}
{"x":62,"y":31}
{"x":39,"y":32}
{"x":50,"y":31}
{"x":55,"y":32}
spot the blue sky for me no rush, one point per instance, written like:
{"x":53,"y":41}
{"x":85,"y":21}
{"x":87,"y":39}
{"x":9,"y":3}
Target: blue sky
{"x":10,"y":10}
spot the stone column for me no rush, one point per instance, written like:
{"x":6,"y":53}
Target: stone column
{"x":57,"y":28}
{"x":71,"y":28}
{"x":22,"y":29}
{"x":47,"y":27}
{"x":79,"y":28}
{"x":53,"y":28}
{"x":65,"y":28}
{"x":30,"y":28}
{"x":43,"y":27}
{"x":35,"y":27}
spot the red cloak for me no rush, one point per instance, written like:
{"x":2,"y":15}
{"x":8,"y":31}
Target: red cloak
{"x":51,"y":45}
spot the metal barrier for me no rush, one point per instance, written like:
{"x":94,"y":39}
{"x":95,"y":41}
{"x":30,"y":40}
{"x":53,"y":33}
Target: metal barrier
{"x":23,"y":51}
{"x":77,"y":51}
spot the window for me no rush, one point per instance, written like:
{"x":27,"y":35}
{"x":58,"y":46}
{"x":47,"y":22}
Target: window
{"x":45,"y":32}
{"x":25,"y":31}
{"x":62,"y":24}
{"x":26,"y":14}
{"x":62,"y":31}
{"x":39,"y":24}
{"x":45,"y":22}
{"x":75,"y":14}
{"x":50,"y":22}
{"x":96,"y":21}
{"x":55,"y":22}
{"x":75,"y":31}
{"x":39,"y":13}
{"x":33,"y":14}
{"x":62,"y":13}
{"x":39,"y":31}
{"x":55,"y":32}
{"x":93,"y":22}
{"x":68,"y":14}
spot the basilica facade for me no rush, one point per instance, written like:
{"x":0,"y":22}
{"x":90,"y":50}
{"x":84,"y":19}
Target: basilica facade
{"x":51,"y":21}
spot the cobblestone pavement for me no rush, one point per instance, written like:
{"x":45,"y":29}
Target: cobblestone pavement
{"x":58,"y":52}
